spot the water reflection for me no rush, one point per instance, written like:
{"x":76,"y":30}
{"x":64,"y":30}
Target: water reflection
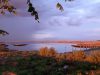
{"x":58,"y":47}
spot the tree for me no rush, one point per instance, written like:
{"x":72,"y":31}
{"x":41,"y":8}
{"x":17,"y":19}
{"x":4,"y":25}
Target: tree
{"x":96,"y":56}
{"x":90,"y":59}
{"x":52,"y":52}
{"x":49,"y":52}
{"x":60,"y":56}
{"x":79,"y":55}
{"x":69,"y":56}
{"x":6,"y":5}
{"x":43,"y":51}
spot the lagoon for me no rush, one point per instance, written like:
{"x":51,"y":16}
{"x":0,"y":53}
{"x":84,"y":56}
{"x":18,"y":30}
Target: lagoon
{"x":58,"y":47}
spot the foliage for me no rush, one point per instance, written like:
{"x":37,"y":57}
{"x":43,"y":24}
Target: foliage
{"x":32,"y":10}
{"x":94,"y":57}
{"x":59,"y":6}
{"x":38,"y":65}
{"x":6,"y":5}
{"x":46,"y":62}
{"x":2,"y":32}
{"x":35,"y":65}
{"x":47,"y":52}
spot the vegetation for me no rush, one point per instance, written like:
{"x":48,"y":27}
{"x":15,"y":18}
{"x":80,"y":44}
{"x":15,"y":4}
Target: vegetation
{"x":38,"y":65}
{"x":2,"y":32}
{"x":48,"y":61}
{"x":7,"y":6}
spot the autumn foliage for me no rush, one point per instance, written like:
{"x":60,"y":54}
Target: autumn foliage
{"x":50,"y":52}
{"x":78,"y":55}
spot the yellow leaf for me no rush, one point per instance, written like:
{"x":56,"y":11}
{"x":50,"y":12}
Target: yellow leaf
{"x":59,"y":6}
{"x":14,"y":12}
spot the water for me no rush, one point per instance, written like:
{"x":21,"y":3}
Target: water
{"x":58,"y":47}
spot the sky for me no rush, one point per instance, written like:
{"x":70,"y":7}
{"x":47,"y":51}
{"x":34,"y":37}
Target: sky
{"x":80,"y":20}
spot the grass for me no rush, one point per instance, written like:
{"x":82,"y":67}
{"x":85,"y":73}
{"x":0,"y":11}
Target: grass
{"x":38,"y":65}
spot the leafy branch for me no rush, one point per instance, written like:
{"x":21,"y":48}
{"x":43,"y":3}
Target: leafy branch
{"x":32,"y":10}
{"x":3,"y":33}
{"x":5,"y":5}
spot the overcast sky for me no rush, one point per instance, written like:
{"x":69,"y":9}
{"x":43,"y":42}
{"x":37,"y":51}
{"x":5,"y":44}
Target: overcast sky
{"x":80,"y":20}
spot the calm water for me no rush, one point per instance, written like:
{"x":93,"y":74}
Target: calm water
{"x":58,"y":47}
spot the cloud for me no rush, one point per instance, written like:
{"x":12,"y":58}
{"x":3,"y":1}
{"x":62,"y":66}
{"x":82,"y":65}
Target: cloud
{"x":64,"y":21}
{"x":42,"y":36}
{"x":82,"y":14}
